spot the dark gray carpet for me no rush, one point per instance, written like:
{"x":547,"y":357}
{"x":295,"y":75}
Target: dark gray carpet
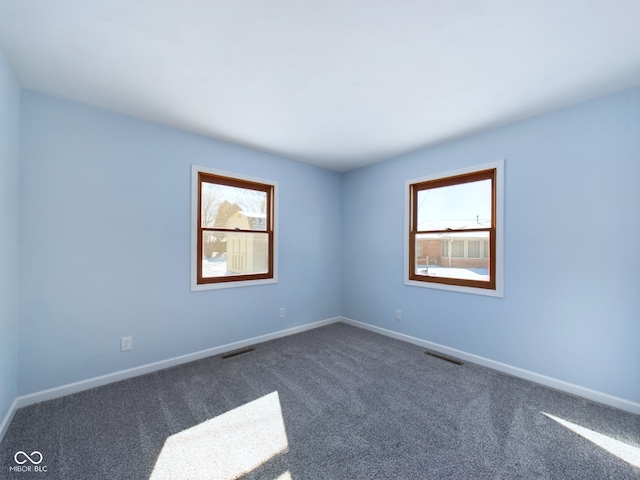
{"x":355,"y":405}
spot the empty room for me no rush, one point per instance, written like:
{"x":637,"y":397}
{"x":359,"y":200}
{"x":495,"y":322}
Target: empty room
{"x":319,"y":240}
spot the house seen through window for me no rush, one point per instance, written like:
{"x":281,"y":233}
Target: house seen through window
{"x":453,"y":230}
{"x":235,"y":234}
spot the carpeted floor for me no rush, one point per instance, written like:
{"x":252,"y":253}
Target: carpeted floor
{"x":336,"y":402}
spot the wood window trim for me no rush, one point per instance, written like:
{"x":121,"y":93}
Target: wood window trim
{"x":201,"y":175}
{"x":493,"y":287}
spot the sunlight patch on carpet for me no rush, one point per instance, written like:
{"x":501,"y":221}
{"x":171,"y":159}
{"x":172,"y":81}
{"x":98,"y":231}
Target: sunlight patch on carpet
{"x":628,"y":453}
{"x":227,"y":446}
{"x":285,"y":476}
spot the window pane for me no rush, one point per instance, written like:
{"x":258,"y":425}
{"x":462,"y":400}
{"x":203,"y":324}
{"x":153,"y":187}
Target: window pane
{"x":473,"y":249}
{"x":232,"y":207}
{"x":457,"y":248}
{"x":443,"y":255}
{"x":463,"y":206}
{"x":240,"y":253}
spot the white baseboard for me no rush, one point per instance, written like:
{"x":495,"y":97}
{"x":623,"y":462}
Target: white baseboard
{"x":57,"y":392}
{"x":594,"y":395}
{"x":82,"y":385}
{"x":4,"y":424}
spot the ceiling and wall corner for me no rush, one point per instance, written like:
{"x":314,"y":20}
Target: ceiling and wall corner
{"x":336,"y":84}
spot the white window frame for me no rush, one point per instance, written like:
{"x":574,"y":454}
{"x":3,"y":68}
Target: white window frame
{"x":499,"y":185}
{"x":195,"y":170}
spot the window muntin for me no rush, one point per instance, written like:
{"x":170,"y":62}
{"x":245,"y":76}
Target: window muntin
{"x":452,"y":230}
{"x":235,"y":230}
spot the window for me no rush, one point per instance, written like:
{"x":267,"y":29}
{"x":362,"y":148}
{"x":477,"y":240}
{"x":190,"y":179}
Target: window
{"x":233,"y":227}
{"x":454,"y":231}
{"x":473,"y":249}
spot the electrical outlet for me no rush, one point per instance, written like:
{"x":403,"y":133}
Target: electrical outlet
{"x":126,"y":343}
{"x":283,"y":312}
{"x":398,"y":314}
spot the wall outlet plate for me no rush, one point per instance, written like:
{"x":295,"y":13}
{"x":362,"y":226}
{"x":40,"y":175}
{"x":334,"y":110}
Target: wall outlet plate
{"x":126,"y":343}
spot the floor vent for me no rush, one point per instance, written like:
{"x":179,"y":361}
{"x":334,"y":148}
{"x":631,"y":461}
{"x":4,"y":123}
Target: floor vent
{"x":235,"y":353}
{"x":445,"y":357}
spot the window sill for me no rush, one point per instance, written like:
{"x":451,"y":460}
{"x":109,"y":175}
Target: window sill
{"x":245,"y":283}
{"x":498,"y":292}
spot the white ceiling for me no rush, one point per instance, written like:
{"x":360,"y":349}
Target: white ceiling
{"x":335,"y":83}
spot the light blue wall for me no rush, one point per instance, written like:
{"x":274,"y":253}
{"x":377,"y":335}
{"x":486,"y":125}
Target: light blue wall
{"x":9,"y":223}
{"x":106,"y":245}
{"x":571,"y":308}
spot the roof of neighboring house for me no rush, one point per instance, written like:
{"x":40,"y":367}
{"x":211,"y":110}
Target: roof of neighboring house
{"x":256,"y":221}
{"x":253,"y":214}
{"x":455,"y":224}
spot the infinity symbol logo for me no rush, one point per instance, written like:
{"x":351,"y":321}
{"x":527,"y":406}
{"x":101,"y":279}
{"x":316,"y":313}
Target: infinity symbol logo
{"x":27,"y":457}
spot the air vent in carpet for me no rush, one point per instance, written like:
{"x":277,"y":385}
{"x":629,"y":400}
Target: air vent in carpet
{"x":445,"y":357}
{"x":237,"y":352}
